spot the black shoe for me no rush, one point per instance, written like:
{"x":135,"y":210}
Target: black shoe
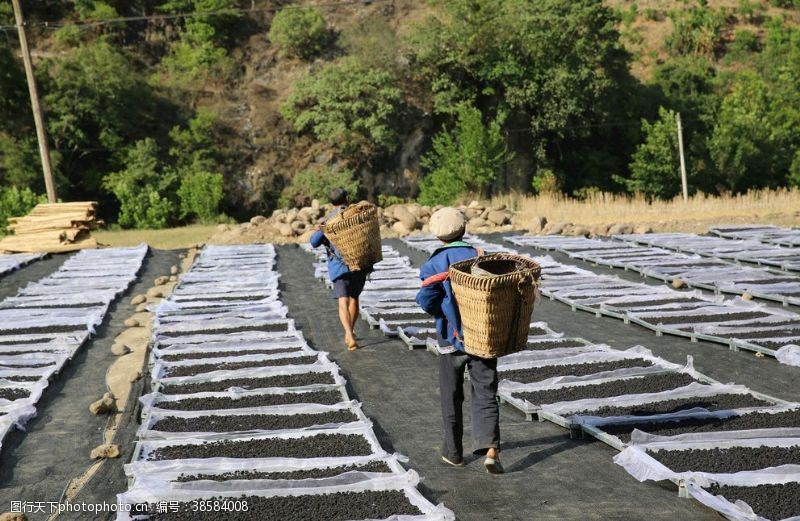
{"x":455,"y":462}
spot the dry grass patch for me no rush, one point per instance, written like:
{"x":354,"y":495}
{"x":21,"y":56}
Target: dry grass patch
{"x":780,"y":207}
{"x":166,"y":239}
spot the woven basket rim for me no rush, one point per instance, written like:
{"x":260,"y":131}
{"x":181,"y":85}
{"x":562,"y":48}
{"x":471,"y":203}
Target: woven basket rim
{"x":365,"y":214}
{"x":460,"y":276}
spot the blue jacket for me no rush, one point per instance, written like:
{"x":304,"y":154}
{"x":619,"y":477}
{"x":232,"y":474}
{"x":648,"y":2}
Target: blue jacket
{"x":336,"y":265}
{"x":436,"y":295}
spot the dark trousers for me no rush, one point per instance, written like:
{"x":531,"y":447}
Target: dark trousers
{"x":485,"y":409}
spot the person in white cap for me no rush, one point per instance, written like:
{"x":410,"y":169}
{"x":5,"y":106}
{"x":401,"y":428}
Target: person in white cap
{"x":436,"y":298}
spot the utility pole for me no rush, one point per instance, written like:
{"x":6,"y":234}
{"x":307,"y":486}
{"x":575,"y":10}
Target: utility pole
{"x":41,"y":134}
{"x":683,"y":161}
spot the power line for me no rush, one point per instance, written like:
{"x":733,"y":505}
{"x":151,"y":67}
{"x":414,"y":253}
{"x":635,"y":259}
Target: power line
{"x":175,"y":16}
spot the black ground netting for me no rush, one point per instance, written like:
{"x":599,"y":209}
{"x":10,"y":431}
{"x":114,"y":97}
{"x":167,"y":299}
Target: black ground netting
{"x":221,"y":354}
{"x":727,"y":460}
{"x":13,"y":393}
{"x":775,"y":502}
{"x":374,"y":466}
{"x":647,"y":384}
{"x":267,"y":328}
{"x":754,"y":420}
{"x":239,"y":422}
{"x":320,"y":446}
{"x":339,"y":506}
{"x":537,"y":374}
{"x":712,"y":403}
{"x":257,"y":400}
{"x":284,"y":380}
{"x":190,"y":370}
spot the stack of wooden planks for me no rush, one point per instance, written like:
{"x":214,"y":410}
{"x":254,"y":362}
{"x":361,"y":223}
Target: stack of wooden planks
{"x":53,"y":228}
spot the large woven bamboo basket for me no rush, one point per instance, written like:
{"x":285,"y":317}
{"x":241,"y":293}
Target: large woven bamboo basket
{"x":495,"y":295}
{"x":356,"y":233}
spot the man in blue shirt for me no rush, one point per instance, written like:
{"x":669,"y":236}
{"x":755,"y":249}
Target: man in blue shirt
{"x":436,"y":298}
{"x":347,"y":285}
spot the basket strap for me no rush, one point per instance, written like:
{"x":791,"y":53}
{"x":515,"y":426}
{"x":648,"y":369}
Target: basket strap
{"x":512,"y":333}
{"x":433,"y":279}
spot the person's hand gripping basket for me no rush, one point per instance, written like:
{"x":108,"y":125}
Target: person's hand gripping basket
{"x":355,"y":232}
{"x":495,"y":296}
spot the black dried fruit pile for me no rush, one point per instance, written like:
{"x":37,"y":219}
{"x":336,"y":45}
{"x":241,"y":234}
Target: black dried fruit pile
{"x":776,"y":345}
{"x":753,"y":420}
{"x":44,"y":330}
{"x":221,"y":354}
{"x":320,"y":446}
{"x":702,"y":319}
{"x":13,"y":393}
{"x":220,"y":299}
{"x":773,"y":333}
{"x":775,"y":502}
{"x":712,"y":403}
{"x":22,"y":378}
{"x":652,"y":303}
{"x":27,"y":366}
{"x":14,"y":353}
{"x":732,"y":459}
{"x":537,"y":331}
{"x":189,"y":370}
{"x":12,"y":339}
{"x":339,"y":506}
{"x":647,"y":384}
{"x":537,"y":374}
{"x":553,"y":344}
{"x":239,"y":422}
{"x":255,"y":400}
{"x":280,"y":326}
{"x":374,"y":466}
{"x":777,"y":280}
{"x":284,"y":380}
{"x":401,"y":316}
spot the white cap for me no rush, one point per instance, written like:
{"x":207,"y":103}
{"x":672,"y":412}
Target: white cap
{"x":448,"y":223}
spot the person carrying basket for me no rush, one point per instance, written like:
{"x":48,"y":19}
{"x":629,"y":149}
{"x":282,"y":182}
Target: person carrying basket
{"x":347,"y":284}
{"x":436,"y":298}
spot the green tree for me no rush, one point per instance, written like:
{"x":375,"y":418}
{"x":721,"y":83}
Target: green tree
{"x":465,"y":160}
{"x":300,"y":31}
{"x":95,"y":105}
{"x":317,"y":183}
{"x":347,"y":105}
{"x":557,"y":68}
{"x":655,"y":169}
{"x":20,"y":165}
{"x":141,"y":188}
{"x":12,"y":87}
{"x":744,"y":146}
{"x":698,"y":30}
{"x":200,"y":53}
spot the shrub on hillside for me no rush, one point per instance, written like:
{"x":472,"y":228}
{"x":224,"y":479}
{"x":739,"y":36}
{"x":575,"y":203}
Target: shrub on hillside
{"x":347,"y":105}
{"x":200,"y":194}
{"x":15,"y":202}
{"x":464,"y":160}
{"x":301,"y":32}
{"x":141,"y":187}
{"x":316,"y":183}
